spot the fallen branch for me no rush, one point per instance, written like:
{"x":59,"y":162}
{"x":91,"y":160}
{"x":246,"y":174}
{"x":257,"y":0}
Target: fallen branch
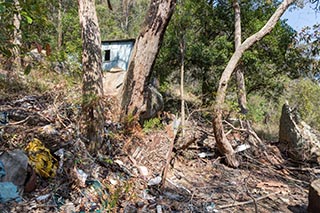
{"x":248,"y":202}
{"x":248,"y":130}
{"x":173,"y":133}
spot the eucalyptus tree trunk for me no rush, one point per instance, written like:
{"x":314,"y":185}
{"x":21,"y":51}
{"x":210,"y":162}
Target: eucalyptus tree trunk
{"x":92,"y":89}
{"x":242,"y":99}
{"x":143,"y":57}
{"x":14,"y":67}
{"x":59,"y":27}
{"x":223,"y":144}
{"x":126,"y":5}
{"x":182,"y":51}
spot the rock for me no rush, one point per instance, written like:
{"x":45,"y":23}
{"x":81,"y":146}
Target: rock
{"x":154,"y":104}
{"x":298,"y":139}
{"x":314,"y":197}
{"x":113,"y":83}
{"x":15,"y":166}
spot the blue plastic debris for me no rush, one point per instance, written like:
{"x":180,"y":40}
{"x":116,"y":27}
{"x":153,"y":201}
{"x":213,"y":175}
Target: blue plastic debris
{"x":2,"y":170}
{"x":4,"y":118}
{"x":9,"y":192}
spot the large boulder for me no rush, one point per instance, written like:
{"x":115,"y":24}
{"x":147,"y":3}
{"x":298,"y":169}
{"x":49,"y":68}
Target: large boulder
{"x":296,"y":138}
{"x":113,"y":82}
{"x":314,"y":197}
{"x":154,"y":104}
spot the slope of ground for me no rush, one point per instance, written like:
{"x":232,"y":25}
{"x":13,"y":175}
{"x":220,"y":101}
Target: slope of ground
{"x":118,"y":178}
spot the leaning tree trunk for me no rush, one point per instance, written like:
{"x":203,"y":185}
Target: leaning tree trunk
{"x":143,"y":57}
{"x":92,"y":89}
{"x":223,"y":144}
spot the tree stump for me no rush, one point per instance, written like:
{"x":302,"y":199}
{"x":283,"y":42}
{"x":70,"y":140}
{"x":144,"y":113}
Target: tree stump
{"x":314,"y":197}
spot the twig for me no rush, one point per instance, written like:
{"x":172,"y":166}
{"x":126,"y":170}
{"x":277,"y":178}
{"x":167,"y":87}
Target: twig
{"x":186,"y":145}
{"x":16,"y":123}
{"x":248,"y":202}
{"x":250,"y":195}
{"x":57,"y":111}
{"x":175,"y":127}
{"x":205,"y":131}
{"x":314,"y":170}
{"x":179,"y":186}
{"x":251,"y":132}
{"x":276,"y":172}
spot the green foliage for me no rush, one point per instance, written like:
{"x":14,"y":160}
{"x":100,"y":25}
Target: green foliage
{"x":257,"y":108}
{"x":152,"y":124}
{"x":303,"y":94}
{"x":303,"y":53}
{"x":123,"y":21}
{"x":164,"y":87}
{"x":209,"y":33}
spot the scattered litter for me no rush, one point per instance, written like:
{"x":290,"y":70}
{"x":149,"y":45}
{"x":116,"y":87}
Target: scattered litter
{"x":9,"y":192}
{"x":210,"y":207}
{"x":173,"y":196}
{"x":41,"y":159}
{"x":4,"y":118}
{"x":68,"y":207}
{"x":113,"y":181}
{"x":43,"y":197}
{"x":159,"y":209}
{"x":81,"y":177}
{"x":203,"y":155}
{"x":95,"y":195}
{"x":146,"y":196}
{"x":3,"y":122}
{"x":143,"y":170}
{"x":2,"y":170}
{"x":49,"y":130}
{"x":155,"y":181}
{"x":119,"y":162}
{"x":242,"y":147}
{"x":60,"y":154}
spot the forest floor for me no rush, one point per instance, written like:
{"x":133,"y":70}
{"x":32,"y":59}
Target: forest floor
{"x":122,"y":177}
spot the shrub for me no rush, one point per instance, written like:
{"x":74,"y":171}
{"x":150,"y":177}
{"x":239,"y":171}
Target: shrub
{"x":303,"y":95}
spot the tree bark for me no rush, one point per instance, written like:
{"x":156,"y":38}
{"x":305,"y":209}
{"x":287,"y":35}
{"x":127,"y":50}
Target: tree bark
{"x":242,"y":99}
{"x":182,"y":51}
{"x":14,"y":66}
{"x":223,"y":144}
{"x":59,"y":27}
{"x":92,"y":90}
{"x":143,"y":58}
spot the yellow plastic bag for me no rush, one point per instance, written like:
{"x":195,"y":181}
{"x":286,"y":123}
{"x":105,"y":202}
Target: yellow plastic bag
{"x":41,"y":159}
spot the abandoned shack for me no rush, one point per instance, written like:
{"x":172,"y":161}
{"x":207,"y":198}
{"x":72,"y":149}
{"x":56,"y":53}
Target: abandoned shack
{"x":116,"y":54}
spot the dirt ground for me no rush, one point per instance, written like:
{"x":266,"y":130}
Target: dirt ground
{"x":122,"y":177}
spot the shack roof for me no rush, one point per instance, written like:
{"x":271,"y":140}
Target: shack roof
{"x":118,"y":41}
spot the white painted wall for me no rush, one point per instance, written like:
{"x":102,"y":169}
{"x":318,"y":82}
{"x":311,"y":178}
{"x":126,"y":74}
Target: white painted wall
{"x":120,"y":52}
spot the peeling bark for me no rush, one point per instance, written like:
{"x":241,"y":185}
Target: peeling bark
{"x":92,"y":90}
{"x":14,"y":65}
{"x":143,"y":57}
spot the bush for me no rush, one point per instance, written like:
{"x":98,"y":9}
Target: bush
{"x":303,"y":95}
{"x":257,"y":108}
